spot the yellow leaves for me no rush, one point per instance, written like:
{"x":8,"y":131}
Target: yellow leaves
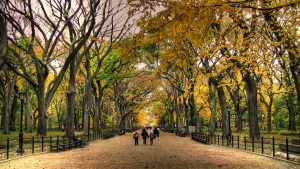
{"x":143,"y":117}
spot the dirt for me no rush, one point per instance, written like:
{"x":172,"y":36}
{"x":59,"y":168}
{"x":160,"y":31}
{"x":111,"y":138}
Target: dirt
{"x":168,"y":151}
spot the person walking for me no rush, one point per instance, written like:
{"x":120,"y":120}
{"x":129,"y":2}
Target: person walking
{"x":145,"y":135}
{"x":136,"y":137}
{"x":152,"y":136}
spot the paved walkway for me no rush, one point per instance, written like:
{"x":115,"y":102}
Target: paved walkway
{"x":168,"y":151}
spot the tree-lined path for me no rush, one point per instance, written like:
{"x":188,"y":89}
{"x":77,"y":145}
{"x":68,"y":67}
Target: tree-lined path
{"x":168,"y":151}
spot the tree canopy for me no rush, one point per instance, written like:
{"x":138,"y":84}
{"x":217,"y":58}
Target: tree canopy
{"x":162,"y":62}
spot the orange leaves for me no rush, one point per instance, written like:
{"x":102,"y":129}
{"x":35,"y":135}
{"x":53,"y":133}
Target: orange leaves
{"x":39,"y":51}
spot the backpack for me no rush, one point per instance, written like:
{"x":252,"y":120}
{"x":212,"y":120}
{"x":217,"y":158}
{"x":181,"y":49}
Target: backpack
{"x":135,"y":134}
{"x":151,"y":135}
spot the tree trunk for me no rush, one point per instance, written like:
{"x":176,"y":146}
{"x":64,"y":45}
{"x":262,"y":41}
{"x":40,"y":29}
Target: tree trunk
{"x":35,"y":117}
{"x":122,"y":122}
{"x":86,"y":107}
{"x":192,"y":106}
{"x":42,"y":124}
{"x":251,"y":91}
{"x":42,"y":104}
{"x":237,"y":108}
{"x":296,"y":77}
{"x":99,"y":106}
{"x":3,"y":40}
{"x":28,"y":117}
{"x":42,"y":119}
{"x":269,"y":114}
{"x":69,"y":128}
{"x":97,"y":114}
{"x":87,"y":93}
{"x":7,"y":86}
{"x":291,"y":108}
{"x":186,"y":113}
{"x":212,"y":98}
{"x":224,"y":111}
{"x":235,"y":97}
{"x":171,"y":118}
{"x":223,"y":105}
{"x":14,"y":109}
{"x":177,"y":109}
{"x":59,"y":121}
{"x":180,"y":107}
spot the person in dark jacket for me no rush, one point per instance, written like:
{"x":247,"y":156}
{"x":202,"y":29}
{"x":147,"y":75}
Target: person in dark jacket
{"x":144,"y":135}
{"x":78,"y":140}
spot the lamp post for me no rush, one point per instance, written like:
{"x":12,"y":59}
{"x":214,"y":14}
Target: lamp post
{"x":20,"y":149}
{"x":89,"y":126}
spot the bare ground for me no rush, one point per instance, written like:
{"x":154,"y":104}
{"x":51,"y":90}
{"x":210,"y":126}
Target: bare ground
{"x":168,"y":151}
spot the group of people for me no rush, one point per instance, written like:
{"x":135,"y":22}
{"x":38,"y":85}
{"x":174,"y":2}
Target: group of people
{"x":144,"y":133}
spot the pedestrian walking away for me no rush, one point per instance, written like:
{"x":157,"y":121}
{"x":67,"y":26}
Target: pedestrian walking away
{"x":136,"y":137}
{"x":158,"y":130}
{"x":152,"y":136}
{"x":144,"y":135}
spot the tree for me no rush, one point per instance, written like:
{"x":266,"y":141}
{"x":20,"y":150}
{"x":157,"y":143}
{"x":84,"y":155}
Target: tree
{"x":3,"y":39}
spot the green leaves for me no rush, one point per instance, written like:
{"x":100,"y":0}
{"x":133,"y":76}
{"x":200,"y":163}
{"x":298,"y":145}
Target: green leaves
{"x":25,"y":42}
{"x":111,"y":67}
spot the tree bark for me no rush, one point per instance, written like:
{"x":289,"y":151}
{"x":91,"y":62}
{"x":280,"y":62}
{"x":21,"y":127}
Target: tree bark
{"x":99,"y":106}
{"x":87,"y":89}
{"x":14,"y":109}
{"x":177,"y":108}
{"x":28,"y":113}
{"x":224,"y":111}
{"x":3,"y":40}
{"x":171,"y":117}
{"x":269,"y":114}
{"x":223,"y":106}
{"x":192,"y":106}
{"x":186,"y":113}
{"x":292,"y":114}
{"x":69,"y":128}
{"x":212,"y":98}
{"x":251,"y":90}
{"x":7,"y":86}
{"x":235,"y":97}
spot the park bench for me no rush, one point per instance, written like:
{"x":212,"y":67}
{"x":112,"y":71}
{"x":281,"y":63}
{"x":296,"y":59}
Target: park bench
{"x":63,"y":143}
{"x":58,"y":144}
{"x":293,"y":148}
{"x":201,"y":138}
{"x":181,"y":134}
{"x":107,"y":135}
{"x":121,"y":132}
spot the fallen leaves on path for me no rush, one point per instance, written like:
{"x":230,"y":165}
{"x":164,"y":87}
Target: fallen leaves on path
{"x":168,"y":151}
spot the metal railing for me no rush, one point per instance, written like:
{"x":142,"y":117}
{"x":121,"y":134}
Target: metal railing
{"x":35,"y":145}
{"x":262,"y":145}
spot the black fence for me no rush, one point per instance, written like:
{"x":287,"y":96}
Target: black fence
{"x":9,"y":148}
{"x":279,"y":148}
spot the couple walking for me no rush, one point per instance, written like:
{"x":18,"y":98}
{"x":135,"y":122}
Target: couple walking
{"x":144,"y":135}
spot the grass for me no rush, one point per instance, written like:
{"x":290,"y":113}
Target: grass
{"x":15,"y":135}
{"x":278,"y":134}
